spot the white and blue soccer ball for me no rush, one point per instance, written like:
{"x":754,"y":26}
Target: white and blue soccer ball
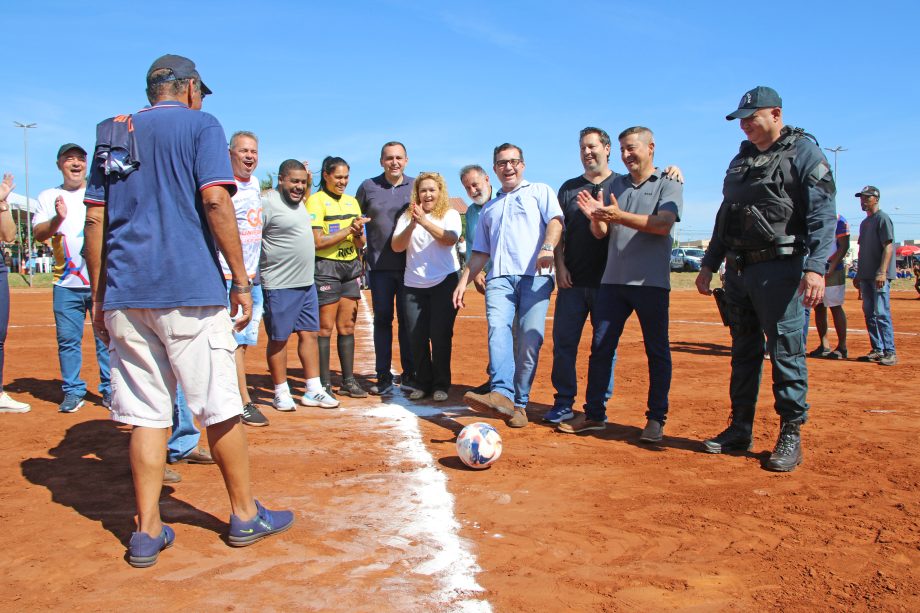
{"x":479,"y":445}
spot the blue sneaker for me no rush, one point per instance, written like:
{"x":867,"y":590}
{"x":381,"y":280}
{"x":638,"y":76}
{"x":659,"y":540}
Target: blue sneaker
{"x":558,"y":414}
{"x":107,"y":400}
{"x":144,"y":549}
{"x":71,"y":404}
{"x":265,"y":523}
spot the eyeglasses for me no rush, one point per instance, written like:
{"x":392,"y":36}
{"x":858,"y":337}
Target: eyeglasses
{"x":513,"y":162}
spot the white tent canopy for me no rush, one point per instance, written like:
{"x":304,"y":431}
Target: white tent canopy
{"x":18,"y":201}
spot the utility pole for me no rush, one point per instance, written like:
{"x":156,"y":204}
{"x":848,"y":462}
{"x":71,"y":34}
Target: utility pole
{"x":25,"y":143}
{"x":835,"y":151}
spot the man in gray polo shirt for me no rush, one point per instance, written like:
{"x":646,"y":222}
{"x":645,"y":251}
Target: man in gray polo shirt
{"x":644,"y":207}
{"x":291,"y":304}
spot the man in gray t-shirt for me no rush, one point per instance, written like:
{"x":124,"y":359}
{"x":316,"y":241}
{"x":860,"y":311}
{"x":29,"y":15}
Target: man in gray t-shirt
{"x":286,"y":266}
{"x":643,"y":208}
{"x":874,"y":274}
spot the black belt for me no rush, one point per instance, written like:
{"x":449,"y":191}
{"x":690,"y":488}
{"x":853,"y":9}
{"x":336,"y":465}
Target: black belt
{"x":737,"y":260}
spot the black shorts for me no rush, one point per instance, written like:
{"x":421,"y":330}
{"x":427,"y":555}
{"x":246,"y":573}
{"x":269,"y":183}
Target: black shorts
{"x":337,"y":279}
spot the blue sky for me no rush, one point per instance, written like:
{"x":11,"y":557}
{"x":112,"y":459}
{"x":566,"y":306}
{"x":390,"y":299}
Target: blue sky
{"x":452,"y":80}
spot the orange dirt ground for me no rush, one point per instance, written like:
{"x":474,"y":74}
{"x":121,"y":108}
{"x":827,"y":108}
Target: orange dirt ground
{"x":560,"y":522}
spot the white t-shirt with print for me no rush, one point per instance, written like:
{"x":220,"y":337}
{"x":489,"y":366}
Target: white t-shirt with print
{"x":248,"y":205}
{"x":428,"y":262}
{"x":67,"y":243}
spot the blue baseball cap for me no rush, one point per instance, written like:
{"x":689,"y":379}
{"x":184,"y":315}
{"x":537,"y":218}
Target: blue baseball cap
{"x":179,"y":68}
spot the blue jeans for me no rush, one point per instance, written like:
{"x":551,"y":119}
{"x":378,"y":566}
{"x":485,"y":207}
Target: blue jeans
{"x":765,"y":300}
{"x":387,"y":287}
{"x":185,"y":436}
{"x":615,"y":304}
{"x":573,"y":306}
{"x":511,"y":368}
{"x":70,"y":309}
{"x":876,"y":305}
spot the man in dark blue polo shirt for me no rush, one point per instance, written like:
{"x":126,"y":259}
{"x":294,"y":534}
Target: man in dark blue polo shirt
{"x":382,"y":199}
{"x":160,"y":297}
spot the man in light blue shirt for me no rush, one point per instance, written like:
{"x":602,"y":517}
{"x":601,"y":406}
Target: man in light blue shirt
{"x":518,"y":231}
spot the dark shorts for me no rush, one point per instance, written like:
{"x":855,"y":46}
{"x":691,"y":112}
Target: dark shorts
{"x":335,"y":279}
{"x":290,"y":310}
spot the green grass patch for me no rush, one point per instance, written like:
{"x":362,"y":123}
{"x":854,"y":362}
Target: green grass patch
{"x":42,"y":279}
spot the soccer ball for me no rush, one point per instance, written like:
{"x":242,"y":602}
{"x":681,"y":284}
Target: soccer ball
{"x":479,"y":445}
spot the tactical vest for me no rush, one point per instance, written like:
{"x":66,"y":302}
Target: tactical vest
{"x":758,"y":209}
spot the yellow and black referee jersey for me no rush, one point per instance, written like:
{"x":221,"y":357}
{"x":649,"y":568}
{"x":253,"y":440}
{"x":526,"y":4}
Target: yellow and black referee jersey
{"x":330,"y":216}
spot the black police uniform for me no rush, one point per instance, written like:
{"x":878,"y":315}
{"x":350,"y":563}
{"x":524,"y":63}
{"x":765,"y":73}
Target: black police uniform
{"x":777,"y":220}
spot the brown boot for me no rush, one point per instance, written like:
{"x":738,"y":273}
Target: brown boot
{"x":519,"y":419}
{"x":493,"y":402}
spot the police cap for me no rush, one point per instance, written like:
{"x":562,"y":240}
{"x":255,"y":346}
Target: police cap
{"x":760,"y":97}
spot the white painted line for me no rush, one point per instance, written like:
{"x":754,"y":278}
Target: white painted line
{"x":452,"y":561}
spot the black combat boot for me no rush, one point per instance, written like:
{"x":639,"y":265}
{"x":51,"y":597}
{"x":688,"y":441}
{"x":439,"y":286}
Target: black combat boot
{"x":788,"y":451}
{"x":737,"y":437}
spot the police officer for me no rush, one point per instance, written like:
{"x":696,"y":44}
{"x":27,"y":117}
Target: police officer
{"x":775,"y":229}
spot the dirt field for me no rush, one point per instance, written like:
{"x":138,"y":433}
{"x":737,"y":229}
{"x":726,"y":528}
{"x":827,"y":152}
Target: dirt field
{"x":389,"y":520}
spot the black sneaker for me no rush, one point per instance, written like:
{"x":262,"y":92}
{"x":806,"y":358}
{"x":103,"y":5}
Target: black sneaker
{"x":252,"y":416}
{"x":408,"y":383}
{"x":788,"y":451}
{"x":383,"y":386}
{"x":732,"y":438}
{"x":351,"y":388}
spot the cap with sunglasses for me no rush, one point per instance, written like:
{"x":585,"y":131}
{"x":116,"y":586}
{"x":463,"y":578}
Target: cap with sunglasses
{"x":179,"y":68}
{"x":869,"y":190}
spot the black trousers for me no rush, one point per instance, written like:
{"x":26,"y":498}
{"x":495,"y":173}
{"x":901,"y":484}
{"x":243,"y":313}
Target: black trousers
{"x":430,"y":315}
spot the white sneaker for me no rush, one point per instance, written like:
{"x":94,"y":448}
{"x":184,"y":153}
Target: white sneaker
{"x":8,"y":405}
{"x":283,"y":402}
{"x":319,"y":399}
{"x":440,"y":396}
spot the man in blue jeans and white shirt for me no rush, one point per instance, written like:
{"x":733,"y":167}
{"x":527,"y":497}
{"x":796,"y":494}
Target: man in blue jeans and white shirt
{"x":518,"y":231}
{"x":60,"y":216}
{"x":643,"y":207}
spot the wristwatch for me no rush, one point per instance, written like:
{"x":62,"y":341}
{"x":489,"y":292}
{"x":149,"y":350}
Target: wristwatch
{"x":547,"y":247}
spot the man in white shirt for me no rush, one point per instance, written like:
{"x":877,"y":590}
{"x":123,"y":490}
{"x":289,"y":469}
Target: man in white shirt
{"x":59,"y":217}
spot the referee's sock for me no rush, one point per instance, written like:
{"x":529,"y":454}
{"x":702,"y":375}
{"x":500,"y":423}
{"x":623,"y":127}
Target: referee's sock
{"x":345,"y":343}
{"x":323,"y":345}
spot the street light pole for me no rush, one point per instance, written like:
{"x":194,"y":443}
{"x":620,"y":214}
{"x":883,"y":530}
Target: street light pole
{"x":25,"y":143}
{"x":835,"y":151}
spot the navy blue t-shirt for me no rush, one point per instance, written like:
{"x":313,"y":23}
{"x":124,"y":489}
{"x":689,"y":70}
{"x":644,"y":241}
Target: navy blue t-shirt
{"x":159,"y":249}
{"x":585,"y":255}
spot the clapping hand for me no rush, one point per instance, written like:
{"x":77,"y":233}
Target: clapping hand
{"x":7,"y":186}
{"x":357,"y":225}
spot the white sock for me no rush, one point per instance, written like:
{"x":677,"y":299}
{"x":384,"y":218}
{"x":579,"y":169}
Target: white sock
{"x":282,"y":388}
{"x":314,"y":385}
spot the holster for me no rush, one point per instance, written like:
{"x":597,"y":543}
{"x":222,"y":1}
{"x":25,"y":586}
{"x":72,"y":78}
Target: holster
{"x":722,"y":304}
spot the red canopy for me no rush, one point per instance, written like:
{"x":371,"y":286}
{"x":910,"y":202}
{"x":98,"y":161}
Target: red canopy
{"x":905,"y":250}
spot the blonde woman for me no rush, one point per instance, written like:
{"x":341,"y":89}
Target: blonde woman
{"x":427,"y":232}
